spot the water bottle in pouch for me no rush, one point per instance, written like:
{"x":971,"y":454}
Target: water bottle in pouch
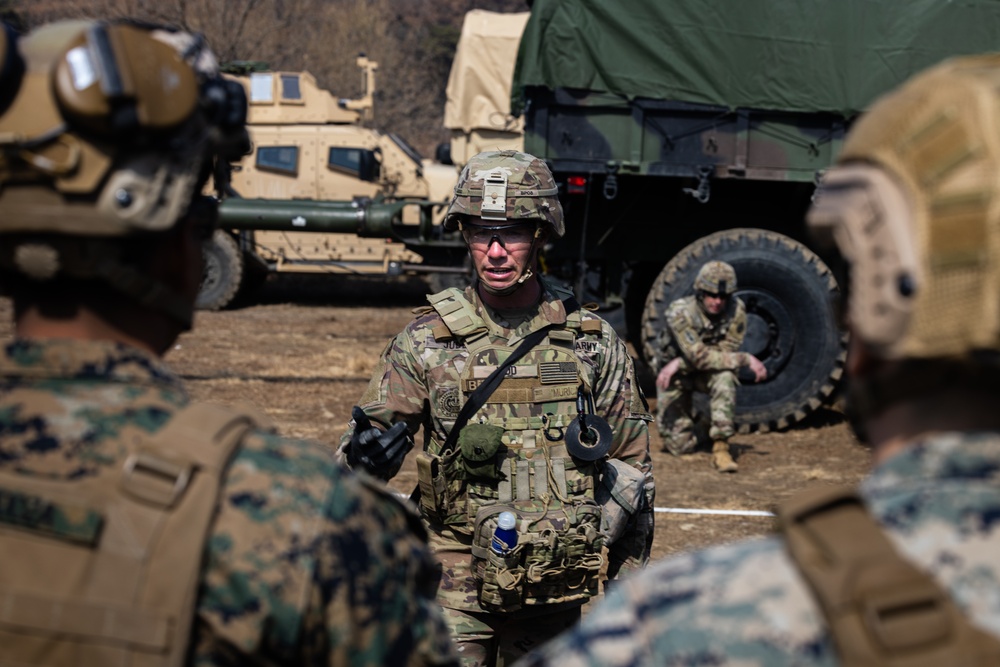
{"x":504,"y":537}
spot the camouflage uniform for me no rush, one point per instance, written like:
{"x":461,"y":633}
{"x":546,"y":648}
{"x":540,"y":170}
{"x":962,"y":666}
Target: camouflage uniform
{"x":708,"y":348}
{"x":417,"y":380}
{"x":306,"y":563}
{"x":747,"y":604}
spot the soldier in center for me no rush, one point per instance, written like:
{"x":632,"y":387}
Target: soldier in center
{"x":535,"y":465}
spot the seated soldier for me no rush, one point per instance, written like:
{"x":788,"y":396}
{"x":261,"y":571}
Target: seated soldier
{"x":699,"y":345}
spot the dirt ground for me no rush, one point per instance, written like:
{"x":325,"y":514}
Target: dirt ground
{"x":304,"y":349}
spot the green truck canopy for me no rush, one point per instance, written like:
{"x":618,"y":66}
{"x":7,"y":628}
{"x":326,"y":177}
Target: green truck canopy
{"x":792,"y":55}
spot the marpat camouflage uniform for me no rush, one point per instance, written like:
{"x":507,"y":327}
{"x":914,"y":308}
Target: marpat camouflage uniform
{"x":707,"y":348}
{"x":417,"y":381}
{"x":746,"y":604}
{"x":306,"y":562}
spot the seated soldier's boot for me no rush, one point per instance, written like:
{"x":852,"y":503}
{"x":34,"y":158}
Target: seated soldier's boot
{"x":721,"y":458}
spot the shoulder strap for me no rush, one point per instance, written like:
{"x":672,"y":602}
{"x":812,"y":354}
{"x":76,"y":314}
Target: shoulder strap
{"x":880,"y":608}
{"x":126,"y":594}
{"x":205,"y":436}
{"x":457,"y":313}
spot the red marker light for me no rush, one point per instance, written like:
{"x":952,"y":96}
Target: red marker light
{"x":576,"y":185}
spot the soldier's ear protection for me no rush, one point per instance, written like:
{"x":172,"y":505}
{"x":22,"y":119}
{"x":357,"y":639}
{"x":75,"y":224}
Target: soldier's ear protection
{"x":864,"y":213}
{"x":116,"y":80}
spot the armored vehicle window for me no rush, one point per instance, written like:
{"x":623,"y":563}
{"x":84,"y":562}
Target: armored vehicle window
{"x":283,"y":159}
{"x":290,"y":89}
{"x":357,"y":162}
{"x":261,"y":87}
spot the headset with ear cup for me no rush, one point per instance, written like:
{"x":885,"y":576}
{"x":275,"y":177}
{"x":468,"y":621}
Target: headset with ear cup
{"x":116,"y":79}
{"x":11,"y":66}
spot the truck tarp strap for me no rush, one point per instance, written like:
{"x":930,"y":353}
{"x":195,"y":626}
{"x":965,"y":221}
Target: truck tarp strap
{"x":880,"y":608}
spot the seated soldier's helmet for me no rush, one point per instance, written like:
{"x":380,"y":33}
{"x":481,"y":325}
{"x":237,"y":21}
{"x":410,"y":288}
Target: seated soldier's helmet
{"x":107,"y":130}
{"x":507,"y":186}
{"x":717,"y":278}
{"x":913,"y":209}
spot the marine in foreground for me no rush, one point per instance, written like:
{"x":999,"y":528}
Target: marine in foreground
{"x":137,"y":527}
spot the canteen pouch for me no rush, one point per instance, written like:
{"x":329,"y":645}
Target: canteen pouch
{"x":557,"y":559}
{"x":620,"y":495}
{"x":481,"y":446}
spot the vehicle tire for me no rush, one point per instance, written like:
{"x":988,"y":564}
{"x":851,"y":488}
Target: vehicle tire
{"x":790,"y":326}
{"x":222,"y":273}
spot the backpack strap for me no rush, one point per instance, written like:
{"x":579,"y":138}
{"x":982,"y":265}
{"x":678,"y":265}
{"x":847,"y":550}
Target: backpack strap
{"x":131,"y":597}
{"x":202,"y":437}
{"x":880,"y":608}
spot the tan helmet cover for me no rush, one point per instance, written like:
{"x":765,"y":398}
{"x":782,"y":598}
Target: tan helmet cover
{"x":507,"y":186}
{"x":715,"y":277}
{"x":65,"y":167}
{"x":913,"y":208}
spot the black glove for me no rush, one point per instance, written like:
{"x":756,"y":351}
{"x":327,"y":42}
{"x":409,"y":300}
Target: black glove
{"x":380,"y":453}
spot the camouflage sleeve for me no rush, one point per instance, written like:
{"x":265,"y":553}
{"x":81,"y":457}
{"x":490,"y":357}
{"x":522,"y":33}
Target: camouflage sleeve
{"x":696,"y":354}
{"x":711,"y":607}
{"x":397,"y":390}
{"x":619,"y":399}
{"x":309,"y":563}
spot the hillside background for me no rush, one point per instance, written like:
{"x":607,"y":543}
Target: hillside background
{"x":412,"y":40}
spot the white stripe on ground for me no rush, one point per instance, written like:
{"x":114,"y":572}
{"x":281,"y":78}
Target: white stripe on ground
{"x":680,"y":510}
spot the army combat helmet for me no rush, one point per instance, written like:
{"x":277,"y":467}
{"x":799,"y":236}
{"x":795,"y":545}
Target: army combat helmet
{"x":716,"y":278}
{"x":507,"y":188}
{"x":913,"y":211}
{"x":108,"y":132}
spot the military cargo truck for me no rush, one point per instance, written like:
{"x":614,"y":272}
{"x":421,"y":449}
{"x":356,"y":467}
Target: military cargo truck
{"x":309,"y":146}
{"x":686,"y":130}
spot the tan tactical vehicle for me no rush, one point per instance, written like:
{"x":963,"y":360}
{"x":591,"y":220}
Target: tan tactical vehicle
{"x":310,"y":146}
{"x":316,"y":167}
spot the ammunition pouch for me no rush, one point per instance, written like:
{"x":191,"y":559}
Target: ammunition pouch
{"x":441,"y":480}
{"x":620,"y":495}
{"x":557,"y":558}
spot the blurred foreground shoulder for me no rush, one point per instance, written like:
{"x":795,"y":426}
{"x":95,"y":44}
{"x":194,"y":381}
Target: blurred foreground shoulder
{"x":710,"y":607}
{"x":311,"y":562}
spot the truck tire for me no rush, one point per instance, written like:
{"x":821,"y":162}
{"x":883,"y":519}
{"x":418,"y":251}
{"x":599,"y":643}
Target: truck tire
{"x":222,"y":274}
{"x":790,"y":325}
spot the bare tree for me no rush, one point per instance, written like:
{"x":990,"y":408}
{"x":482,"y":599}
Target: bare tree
{"x":412,"y":40}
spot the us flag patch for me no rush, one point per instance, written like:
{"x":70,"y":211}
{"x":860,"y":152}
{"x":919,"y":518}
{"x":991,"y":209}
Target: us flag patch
{"x":557,"y":372}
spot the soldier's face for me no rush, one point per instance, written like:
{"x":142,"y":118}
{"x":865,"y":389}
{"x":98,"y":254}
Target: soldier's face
{"x":714,"y":303}
{"x":500,"y":255}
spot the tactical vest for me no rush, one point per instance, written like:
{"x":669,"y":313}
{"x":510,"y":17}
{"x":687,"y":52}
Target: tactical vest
{"x":104,"y":570}
{"x":708,"y":331}
{"x":512,"y":456}
{"x":881,"y":610}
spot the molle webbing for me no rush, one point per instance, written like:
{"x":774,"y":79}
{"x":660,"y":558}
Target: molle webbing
{"x":880,"y":608}
{"x":525,"y":479}
{"x":126,"y":596}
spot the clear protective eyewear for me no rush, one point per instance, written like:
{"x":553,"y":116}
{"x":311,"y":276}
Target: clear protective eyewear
{"x":508,"y":236}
